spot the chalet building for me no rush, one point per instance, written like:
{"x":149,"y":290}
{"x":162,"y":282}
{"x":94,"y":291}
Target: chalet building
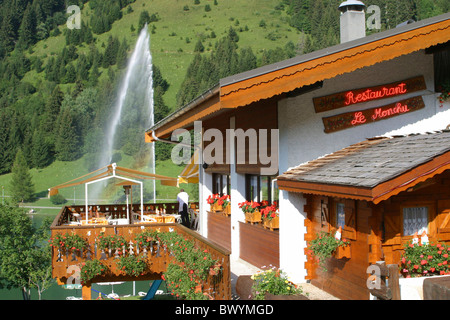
{"x":333,"y":102}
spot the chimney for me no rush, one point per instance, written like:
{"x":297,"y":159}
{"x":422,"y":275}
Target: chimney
{"x":353,"y":20}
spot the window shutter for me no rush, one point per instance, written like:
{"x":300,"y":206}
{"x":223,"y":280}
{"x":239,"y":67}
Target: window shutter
{"x":325,"y":222}
{"x":349,"y":231}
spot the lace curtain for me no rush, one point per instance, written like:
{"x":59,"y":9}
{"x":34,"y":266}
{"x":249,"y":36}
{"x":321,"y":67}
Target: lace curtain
{"x":415,"y":220}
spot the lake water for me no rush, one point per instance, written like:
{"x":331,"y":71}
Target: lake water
{"x":56,"y":292}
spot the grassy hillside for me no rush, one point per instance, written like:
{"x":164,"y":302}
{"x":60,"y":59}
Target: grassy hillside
{"x":175,"y":35}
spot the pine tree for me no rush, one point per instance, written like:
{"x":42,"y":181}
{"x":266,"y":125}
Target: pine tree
{"x":52,"y":109}
{"x":71,"y":74}
{"x":67,"y":146}
{"x":161,"y":110}
{"x":27,"y":31}
{"x":21,"y":186}
{"x":40,"y":151}
{"x":122,"y":54}
{"x":110,"y":56}
{"x":6,"y":156}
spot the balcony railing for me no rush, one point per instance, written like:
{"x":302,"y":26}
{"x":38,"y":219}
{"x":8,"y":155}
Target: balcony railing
{"x":66,"y":263}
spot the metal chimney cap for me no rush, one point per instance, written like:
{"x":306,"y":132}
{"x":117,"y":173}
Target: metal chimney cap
{"x":349,"y":4}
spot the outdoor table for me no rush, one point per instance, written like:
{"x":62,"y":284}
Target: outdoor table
{"x":164,"y":218}
{"x":101,"y":221}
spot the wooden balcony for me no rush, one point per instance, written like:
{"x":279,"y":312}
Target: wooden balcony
{"x":67,"y":262}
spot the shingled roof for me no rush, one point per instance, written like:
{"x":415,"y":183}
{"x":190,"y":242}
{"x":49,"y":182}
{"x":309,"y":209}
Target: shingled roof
{"x":369,"y":164}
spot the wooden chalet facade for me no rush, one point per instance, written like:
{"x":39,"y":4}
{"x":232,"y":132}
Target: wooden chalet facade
{"x":314,"y":105}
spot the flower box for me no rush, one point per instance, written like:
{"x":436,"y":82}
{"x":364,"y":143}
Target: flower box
{"x":227,"y":210}
{"x":412,"y":288}
{"x":343,"y":252}
{"x":253,"y":217}
{"x":272,"y":224}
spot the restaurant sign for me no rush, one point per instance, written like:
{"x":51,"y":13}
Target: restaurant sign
{"x":356,"y":118}
{"x":347,"y":98}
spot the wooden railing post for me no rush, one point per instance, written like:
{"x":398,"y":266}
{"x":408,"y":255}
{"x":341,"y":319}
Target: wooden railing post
{"x":86,"y":292}
{"x":385,"y":281}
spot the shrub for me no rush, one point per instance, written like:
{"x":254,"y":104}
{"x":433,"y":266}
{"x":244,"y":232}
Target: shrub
{"x":57,"y":199}
{"x":272,"y":281}
{"x":425,"y":260}
{"x":131,"y":265}
{"x":90,"y":269}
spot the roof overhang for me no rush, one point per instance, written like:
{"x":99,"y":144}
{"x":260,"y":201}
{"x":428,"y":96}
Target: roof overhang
{"x":331,"y":62}
{"x":276,"y":79}
{"x":383,"y":191}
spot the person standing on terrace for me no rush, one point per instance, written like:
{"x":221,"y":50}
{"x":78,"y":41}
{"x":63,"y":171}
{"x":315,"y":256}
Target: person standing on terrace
{"x":183,"y":199}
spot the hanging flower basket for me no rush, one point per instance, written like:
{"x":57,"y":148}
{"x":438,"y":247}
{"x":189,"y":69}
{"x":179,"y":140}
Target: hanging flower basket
{"x":343,"y":252}
{"x":325,"y":246}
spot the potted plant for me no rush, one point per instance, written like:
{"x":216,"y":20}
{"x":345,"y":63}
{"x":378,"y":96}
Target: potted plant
{"x":429,"y":259}
{"x":270,"y":217}
{"x":444,"y":89}
{"x":251,"y":211}
{"x":224,"y":202}
{"x":212,"y":201}
{"x":420,"y":261}
{"x":325,"y":246}
{"x":273,"y":284}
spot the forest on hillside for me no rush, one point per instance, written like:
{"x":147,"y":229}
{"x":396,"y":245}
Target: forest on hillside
{"x":62,"y":118}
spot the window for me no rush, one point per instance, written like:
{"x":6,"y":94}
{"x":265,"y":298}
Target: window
{"x":344,"y":215}
{"x":221,"y":184}
{"x":415,"y":219}
{"x":441,"y":66}
{"x":261,"y":188}
{"x":340,"y":215}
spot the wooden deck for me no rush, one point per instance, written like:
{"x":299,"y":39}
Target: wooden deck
{"x":66,"y":264}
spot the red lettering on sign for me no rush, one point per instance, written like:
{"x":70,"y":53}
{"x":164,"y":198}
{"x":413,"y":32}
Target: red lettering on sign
{"x":353,"y":119}
{"x":380,"y":113}
{"x":370,"y":94}
{"x":359,"y":118}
